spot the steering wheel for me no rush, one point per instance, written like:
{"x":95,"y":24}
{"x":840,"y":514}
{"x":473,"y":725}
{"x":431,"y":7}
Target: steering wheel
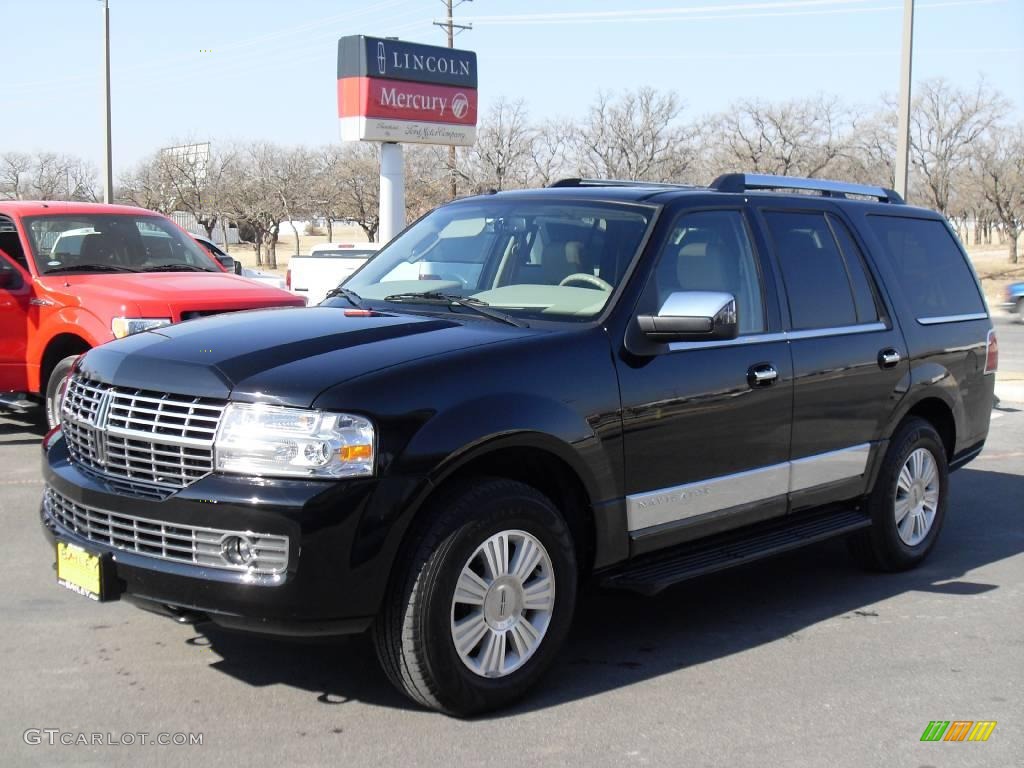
{"x":588,"y":281}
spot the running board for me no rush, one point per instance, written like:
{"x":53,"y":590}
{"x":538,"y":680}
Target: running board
{"x":651,"y":574}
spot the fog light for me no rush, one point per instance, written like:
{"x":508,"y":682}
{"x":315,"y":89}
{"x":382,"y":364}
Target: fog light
{"x":237,"y":550}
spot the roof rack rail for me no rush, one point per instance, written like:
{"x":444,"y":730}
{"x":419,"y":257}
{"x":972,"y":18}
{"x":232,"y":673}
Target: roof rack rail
{"x":576,"y":182}
{"x":746,"y":182}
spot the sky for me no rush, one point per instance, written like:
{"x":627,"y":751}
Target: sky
{"x":222,"y":70}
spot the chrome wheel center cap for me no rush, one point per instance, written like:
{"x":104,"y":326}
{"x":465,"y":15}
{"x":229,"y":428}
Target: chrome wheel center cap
{"x":503,"y":603}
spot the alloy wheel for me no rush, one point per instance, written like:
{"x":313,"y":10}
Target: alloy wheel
{"x":917,"y":497}
{"x":503,"y":603}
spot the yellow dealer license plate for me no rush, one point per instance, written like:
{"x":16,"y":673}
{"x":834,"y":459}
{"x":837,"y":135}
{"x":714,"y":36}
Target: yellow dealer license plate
{"x":79,"y":571}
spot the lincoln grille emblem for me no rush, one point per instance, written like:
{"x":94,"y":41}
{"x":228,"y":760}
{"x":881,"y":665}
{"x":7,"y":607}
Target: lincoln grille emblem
{"x":98,"y":429}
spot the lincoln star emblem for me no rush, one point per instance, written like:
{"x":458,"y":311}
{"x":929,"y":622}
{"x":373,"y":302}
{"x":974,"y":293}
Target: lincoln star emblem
{"x":382,"y":61}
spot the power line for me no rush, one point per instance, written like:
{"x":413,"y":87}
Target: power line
{"x":786,"y":9}
{"x":174,"y":64}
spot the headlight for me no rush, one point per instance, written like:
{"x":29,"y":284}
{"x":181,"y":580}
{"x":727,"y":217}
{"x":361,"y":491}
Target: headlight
{"x":126,"y":326}
{"x":273,"y":440}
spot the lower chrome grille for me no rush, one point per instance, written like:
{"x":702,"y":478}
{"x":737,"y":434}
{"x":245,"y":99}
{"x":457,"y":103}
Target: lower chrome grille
{"x":165,"y":541}
{"x":139,"y":437}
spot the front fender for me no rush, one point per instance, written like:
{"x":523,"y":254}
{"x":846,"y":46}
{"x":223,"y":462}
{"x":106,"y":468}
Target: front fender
{"x":73,"y":321}
{"x":486,"y":424}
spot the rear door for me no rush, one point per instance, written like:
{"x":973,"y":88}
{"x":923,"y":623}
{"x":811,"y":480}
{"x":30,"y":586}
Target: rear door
{"x":850,"y":361}
{"x":947,"y":322}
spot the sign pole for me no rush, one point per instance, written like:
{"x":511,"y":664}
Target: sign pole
{"x":392,"y":191}
{"x":903,"y":130}
{"x":108,"y":168}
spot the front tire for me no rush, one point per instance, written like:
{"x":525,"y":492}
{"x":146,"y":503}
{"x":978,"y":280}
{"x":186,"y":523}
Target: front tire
{"x":55,"y":389}
{"x":908,"y":503}
{"x":481,"y":608}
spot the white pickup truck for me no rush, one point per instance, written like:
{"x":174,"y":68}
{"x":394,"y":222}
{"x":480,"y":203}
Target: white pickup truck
{"x":327,"y":266}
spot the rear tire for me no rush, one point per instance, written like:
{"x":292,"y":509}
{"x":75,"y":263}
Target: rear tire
{"x":55,"y":389}
{"x":446,"y":595}
{"x":908,"y":503}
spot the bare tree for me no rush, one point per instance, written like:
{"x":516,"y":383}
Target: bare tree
{"x":549,"y":153}
{"x":290,"y":180}
{"x":15,"y":175}
{"x":50,"y":177}
{"x":802,"y":137}
{"x":501,"y":156}
{"x":945,"y":123}
{"x":1001,"y":168}
{"x":635,"y":136}
{"x":360,"y":188}
{"x":250,"y":195}
{"x":870,"y":154}
{"x":327,"y":195}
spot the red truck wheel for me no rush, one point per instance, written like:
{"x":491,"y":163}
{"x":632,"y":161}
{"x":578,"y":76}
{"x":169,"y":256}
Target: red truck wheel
{"x":55,"y":389}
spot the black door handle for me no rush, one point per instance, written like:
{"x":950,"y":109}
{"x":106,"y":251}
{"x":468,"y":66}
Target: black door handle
{"x":889,"y":358}
{"x":762,"y":375}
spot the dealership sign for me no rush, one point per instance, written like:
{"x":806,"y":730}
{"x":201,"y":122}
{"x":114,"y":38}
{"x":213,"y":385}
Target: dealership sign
{"x":393,"y":91}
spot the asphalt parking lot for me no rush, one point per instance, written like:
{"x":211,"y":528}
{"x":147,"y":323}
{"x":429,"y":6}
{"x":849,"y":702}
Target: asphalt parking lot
{"x":798,"y":661}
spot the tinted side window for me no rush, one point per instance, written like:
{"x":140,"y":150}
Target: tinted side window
{"x":863,"y":294}
{"x":711,"y":251}
{"x":10,"y":243}
{"x":813,"y":271}
{"x":929,"y":266}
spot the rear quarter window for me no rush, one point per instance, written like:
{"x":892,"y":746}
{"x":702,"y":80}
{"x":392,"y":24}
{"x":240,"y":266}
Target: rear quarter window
{"x":929,"y":265}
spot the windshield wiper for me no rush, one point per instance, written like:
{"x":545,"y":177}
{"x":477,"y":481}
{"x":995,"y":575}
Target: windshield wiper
{"x":454,"y":300}
{"x":353,"y":298}
{"x":174,"y":268}
{"x":88,"y":268}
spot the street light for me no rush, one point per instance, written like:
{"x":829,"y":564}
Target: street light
{"x":108,"y":168}
{"x":903,"y":130}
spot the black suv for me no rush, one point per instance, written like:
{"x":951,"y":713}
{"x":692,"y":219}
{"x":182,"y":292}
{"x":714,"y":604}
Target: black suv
{"x":635,"y":383}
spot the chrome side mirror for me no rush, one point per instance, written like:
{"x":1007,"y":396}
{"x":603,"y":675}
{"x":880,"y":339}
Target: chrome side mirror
{"x":693,"y":316}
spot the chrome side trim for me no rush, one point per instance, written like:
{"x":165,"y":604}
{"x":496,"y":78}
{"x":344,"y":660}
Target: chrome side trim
{"x":843,"y":330}
{"x":951,"y":318}
{"x":766,"y":338}
{"x":682,"y":502}
{"x":828,"y":467}
{"x":669,"y":505}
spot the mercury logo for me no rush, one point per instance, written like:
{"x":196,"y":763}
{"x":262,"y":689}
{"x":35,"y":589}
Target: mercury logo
{"x":460,"y":105}
{"x":382,"y":60}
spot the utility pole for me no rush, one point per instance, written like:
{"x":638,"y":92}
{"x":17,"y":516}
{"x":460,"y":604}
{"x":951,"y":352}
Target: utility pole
{"x":903,"y":130}
{"x":450,"y":26}
{"x":108,"y":167}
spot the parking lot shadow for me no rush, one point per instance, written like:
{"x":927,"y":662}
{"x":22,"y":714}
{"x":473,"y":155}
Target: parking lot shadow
{"x":621,"y":639}
{"x":17,"y":429}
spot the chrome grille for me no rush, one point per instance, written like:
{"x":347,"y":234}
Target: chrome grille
{"x":165,"y":541}
{"x":140,"y":437}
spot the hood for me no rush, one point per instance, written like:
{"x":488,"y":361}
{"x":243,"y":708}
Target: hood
{"x":281,"y":356}
{"x":166,"y":294}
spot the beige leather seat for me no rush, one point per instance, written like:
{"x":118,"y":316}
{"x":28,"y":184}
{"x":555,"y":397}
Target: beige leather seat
{"x":559,"y":260}
{"x":701,"y":267}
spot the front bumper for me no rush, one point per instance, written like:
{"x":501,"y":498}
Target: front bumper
{"x":332,"y":584}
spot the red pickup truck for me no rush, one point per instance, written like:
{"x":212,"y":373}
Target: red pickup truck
{"x":75,"y":275}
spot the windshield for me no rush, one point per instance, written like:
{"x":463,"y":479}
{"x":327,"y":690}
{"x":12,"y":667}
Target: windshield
{"x":530,"y":258}
{"x":114,"y":243}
